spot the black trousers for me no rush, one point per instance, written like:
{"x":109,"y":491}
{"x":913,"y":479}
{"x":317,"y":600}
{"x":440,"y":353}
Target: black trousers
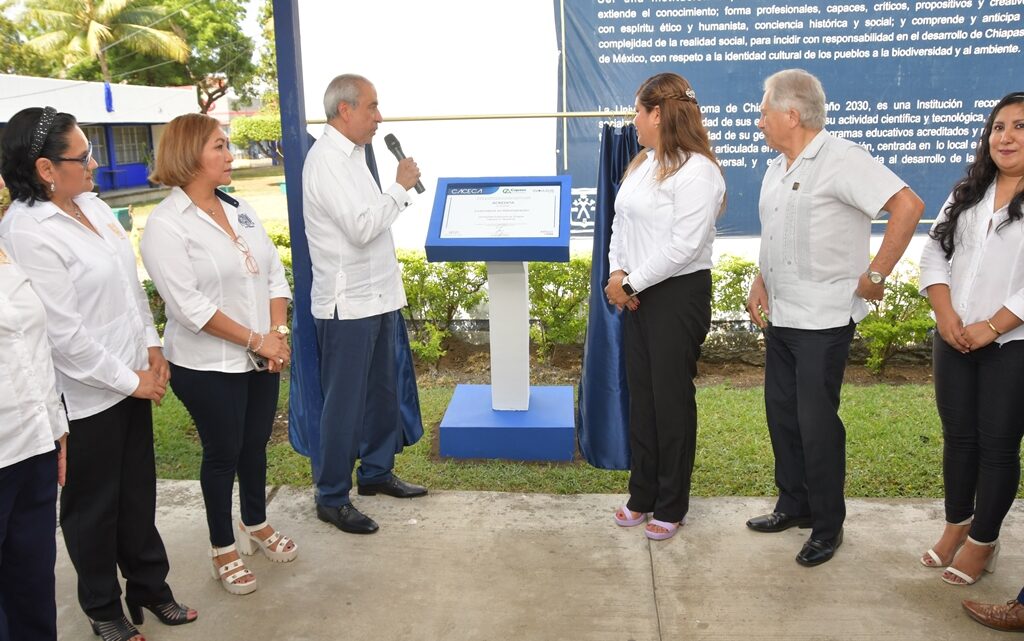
{"x":980,"y":400}
{"x":662,"y":340}
{"x":28,"y":549}
{"x":803,"y":376}
{"x":234,"y":415}
{"x":108,"y":510}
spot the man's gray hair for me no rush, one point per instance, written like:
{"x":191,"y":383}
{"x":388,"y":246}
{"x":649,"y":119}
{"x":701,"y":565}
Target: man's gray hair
{"x":799,"y":90}
{"x":344,"y":88}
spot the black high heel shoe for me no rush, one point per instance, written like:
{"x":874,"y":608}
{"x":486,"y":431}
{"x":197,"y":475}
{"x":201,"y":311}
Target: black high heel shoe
{"x":116,"y":630}
{"x":170,"y":613}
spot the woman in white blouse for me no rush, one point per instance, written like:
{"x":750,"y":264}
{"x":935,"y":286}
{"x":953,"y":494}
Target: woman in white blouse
{"x":32,"y":422}
{"x":660,"y":272}
{"x":226,"y":336}
{"x":973,"y":273}
{"x":109,"y":367}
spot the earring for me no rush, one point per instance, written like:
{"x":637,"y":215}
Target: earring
{"x":53,"y":186}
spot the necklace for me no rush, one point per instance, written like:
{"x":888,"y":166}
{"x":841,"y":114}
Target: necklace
{"x":76,"y":211}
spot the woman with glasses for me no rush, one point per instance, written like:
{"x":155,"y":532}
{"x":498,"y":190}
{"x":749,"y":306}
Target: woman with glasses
{"x":226,"y":336}
{"x":109,"y":367}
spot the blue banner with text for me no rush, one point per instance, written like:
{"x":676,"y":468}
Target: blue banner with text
{"x":911,"y":81}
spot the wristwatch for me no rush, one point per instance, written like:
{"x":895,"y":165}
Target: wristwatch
{"x":626,"y":287}
{"x":876,"y":277}
{"x":282,"y":330}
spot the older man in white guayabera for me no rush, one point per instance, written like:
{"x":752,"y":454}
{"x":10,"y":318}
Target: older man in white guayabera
{"x":357,"y":294}
{"x":818,"y":199}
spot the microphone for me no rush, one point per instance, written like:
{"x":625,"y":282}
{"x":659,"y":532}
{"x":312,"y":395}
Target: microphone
{"x":396,"y":148}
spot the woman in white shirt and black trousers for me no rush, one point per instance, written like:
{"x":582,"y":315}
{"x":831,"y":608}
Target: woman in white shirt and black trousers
{"x":226,"y":336}
{"x":972,"y":270}
{"x":109,"y":367}
{"x":660,"y":271}
{"x":32,"y":423}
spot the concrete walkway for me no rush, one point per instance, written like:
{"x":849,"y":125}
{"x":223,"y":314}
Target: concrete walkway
{"x":489,"y":566}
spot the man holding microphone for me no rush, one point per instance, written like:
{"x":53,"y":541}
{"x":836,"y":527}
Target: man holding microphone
{"x":357,"y":294}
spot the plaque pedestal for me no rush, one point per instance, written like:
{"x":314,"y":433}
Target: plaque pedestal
{"x":508,"y":419}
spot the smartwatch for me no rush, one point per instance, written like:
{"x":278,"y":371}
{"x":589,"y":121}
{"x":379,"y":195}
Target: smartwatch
{"x":626,"y":287}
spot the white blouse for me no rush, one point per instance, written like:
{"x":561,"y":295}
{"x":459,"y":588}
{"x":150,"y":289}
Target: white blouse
{"x":31,"y":414}
{"x":665,"y":228}
{"x":98,"y":318}
{"x":198,"y":269}
{"x":987,"y":268}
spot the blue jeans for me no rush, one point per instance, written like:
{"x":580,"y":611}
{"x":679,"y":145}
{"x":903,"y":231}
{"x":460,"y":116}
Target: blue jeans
{"x":361,"y":414}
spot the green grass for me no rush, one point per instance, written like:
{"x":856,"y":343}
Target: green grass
{"x":894,"y":449}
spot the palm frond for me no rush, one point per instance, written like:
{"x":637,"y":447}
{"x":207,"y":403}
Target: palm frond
{"x":51,"y":18}
{"x":48,"y":42}
{"x":107,"y":11}
{"x":154,"y":41}
{"x":96,"y":37}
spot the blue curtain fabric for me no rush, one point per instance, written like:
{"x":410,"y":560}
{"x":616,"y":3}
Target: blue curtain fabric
{"x":307,"y":400}
{"x":603,"y":411}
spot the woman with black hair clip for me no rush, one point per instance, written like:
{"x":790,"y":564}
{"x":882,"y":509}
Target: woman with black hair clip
{"x":109,"y":366}
{"x":972,"y":272}
{"x":660,"y":271}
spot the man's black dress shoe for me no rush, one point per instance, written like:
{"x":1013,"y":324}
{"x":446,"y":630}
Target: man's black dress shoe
{"x":777,"y":522}
{"x":395,"y":487}
{"x":347,"y":519}
{"x":816,"y":551}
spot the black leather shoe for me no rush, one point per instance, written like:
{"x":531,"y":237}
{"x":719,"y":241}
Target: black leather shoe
{"x":395,"y":487}
{"x":777,"y":522}
{"x":816,"y":551}
{"x":347,"y":519}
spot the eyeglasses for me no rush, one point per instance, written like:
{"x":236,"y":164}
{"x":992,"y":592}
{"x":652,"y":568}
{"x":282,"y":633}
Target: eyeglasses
{"x":83,"y":160}
{"x":250,"y":261}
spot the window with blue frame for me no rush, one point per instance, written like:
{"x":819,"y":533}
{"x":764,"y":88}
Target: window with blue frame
{"x":131,"y":144}
{"x":98,"y":138}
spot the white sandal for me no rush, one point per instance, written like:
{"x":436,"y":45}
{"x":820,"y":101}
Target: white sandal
{"x":933,"y":556}
{"x":231,"y":572}
{"x":274,"y":547}
{"x":967,"y":579}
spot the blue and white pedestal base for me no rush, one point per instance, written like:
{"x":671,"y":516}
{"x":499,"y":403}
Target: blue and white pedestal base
{"x":544,"y":432}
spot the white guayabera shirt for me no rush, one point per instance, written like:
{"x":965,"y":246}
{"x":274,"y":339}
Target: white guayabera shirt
{"x":816,"y":230}
{"x":98,"y":317}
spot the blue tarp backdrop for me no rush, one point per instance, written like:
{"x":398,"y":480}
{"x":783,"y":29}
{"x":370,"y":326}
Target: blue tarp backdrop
{"x":912,"y":84}
{"x":603,"y":414}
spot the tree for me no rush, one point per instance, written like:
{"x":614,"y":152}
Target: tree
{"x":15,"y":57}
{"x":220,"y":54}
{"x":85,"y":29}
{"x":258,"y":130}
{"x":266,"y":72}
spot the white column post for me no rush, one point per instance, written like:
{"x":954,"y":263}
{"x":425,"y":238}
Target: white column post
{"x":507,"y":284}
